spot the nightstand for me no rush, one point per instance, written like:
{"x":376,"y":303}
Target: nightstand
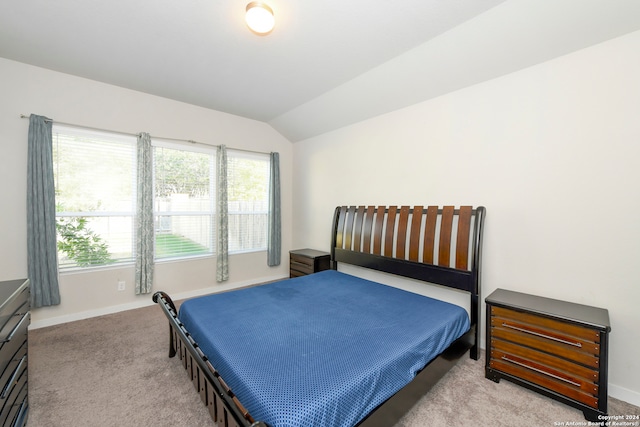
{"x":556,"y":348}
{"x":307,"y":261}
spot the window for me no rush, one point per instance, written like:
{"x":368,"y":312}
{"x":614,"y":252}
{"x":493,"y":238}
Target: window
{"x":184,"y":200}
{"x":94,"y":176}
{"x":248,"y":195}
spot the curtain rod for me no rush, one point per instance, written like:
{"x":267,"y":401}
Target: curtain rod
{"x":24,"y":116}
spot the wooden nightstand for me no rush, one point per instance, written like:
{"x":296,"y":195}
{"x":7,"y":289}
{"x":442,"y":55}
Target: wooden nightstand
{"x":307,"y":261}
{"x":556,"y":348}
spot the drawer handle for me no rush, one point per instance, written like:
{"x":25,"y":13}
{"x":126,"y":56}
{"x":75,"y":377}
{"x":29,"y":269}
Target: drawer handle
{"x":538,"y":334}
{"x":10,"y":383}
{"x":25,"y":317}
{"x":524,"y":365}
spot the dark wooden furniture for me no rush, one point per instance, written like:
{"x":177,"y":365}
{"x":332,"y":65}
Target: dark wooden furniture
{"x":435,"y":245}
{"x":307,"y":261}
{"x":14,"y":321}
{"x":557,"y":348}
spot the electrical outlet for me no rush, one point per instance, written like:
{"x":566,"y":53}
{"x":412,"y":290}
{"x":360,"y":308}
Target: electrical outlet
{"x":121,"y":285}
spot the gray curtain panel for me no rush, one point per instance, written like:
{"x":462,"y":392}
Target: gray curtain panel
{"x":222,"y":216}
{"x":144,"y":216}
{"x":42,"y":252}
{"x":274,"y":239}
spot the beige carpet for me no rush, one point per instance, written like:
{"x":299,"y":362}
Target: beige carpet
{"x":114,"y":371}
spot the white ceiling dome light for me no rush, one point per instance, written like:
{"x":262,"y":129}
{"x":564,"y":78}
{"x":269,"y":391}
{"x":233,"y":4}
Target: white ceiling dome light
{"x":259,"y":17}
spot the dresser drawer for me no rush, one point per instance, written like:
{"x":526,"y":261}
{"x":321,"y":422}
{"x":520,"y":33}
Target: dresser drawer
{"x":296,"y":273}
{"x":18,"y":303}
{"x":14,"y":402}
{"x":563,"y":330}
{"x":15,"y":329}
{"x":12,"y":369}
{"x":10,"y":348}
{"x":547,"y":378}
{"x":553,"y":362}
{"x":556,"y":341}
{"x":15,"y":394}
{"x":303,"y":260}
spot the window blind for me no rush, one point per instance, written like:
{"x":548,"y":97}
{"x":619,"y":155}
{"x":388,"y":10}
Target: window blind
{"x":94,"y":176}
{"x":184,"y":200}
{"x":248,"y":192}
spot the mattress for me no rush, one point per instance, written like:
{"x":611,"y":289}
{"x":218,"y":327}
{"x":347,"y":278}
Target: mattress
{"x":320,"y":350}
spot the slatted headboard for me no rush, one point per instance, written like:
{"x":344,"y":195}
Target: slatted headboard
{"x":432,"y":244}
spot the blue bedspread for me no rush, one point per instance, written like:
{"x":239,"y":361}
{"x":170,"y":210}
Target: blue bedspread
{"x":320,"y":350}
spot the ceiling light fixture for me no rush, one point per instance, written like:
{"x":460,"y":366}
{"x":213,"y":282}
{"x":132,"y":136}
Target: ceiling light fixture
{"x":259,"y":17}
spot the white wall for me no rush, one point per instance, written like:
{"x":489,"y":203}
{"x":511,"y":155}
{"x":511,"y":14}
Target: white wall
{"x":551,"y":151}
{"x":25,"y":89}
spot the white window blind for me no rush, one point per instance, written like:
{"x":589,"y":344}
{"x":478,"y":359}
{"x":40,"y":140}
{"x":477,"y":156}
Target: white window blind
{"x":95,"y":179}
{"x":184,"y":200}
{"x":248,"y":193}
{"x":94,"y":176}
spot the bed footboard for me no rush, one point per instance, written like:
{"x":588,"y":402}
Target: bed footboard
{"x":224,"y":407}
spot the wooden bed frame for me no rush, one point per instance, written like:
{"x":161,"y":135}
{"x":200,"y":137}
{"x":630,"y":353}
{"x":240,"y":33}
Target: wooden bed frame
{"x":436,"y":245}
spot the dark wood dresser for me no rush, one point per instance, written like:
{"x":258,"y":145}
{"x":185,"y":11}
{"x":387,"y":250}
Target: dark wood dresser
{"x":14,"y":321}
{"x":556,"y":348}
{"x":307,"y":261}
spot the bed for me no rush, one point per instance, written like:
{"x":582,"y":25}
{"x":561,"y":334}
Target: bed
{"x":331,"y":348}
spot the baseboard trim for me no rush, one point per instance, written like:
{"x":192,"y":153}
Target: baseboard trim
{"x":624,"y":394}
{"x":146,"y":302}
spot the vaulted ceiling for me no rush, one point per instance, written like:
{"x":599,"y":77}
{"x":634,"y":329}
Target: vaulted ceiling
{"x":327,"y":63}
